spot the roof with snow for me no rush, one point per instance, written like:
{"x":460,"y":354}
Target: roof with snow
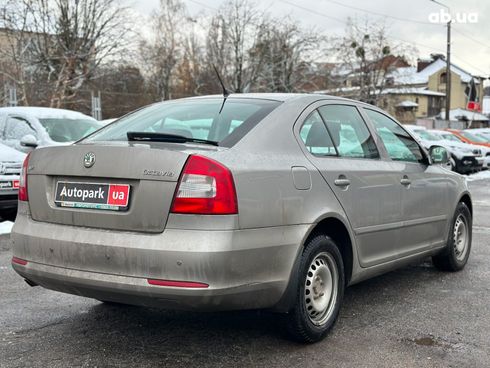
{"x":45,"y":112}
{"x":409,"y":75}
{"x":412,"y":91}
{"x":462,"y":114}
{"x":407,"y":103}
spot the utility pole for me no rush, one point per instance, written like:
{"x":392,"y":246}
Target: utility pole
{"x":448,"y":62}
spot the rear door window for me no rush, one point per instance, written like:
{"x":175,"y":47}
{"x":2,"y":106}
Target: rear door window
{"x":348,"y":131}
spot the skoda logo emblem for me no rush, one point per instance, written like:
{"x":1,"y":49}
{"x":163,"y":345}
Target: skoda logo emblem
{"x":89,"y":159}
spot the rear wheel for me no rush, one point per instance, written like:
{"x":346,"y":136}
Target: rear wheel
{"x":455,"y":255}
{"x":320,"y":291}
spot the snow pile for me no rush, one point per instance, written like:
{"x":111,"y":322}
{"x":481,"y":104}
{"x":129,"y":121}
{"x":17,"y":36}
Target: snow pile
{"x":482,"y":175}
{"x":6,"y":227}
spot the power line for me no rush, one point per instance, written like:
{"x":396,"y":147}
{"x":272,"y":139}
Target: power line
{"x":203,"y":5}
{"x":471,"y":38}
{"x":313,"y":11}
{"x":380,"y":14}
{"x":394,"y":38}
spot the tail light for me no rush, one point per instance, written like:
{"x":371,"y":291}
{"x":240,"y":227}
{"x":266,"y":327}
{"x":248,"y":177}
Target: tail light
{"x":206,"y":187}
{"x":23,"y":181}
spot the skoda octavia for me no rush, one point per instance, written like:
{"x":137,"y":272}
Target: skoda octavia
{"x":239,"y":202}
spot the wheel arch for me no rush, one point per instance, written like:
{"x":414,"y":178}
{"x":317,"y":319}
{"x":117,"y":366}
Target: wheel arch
{"x":337,"y":229}
{"x":466,"y":199}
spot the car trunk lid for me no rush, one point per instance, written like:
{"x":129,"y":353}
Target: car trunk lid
{"x":149,"y":173}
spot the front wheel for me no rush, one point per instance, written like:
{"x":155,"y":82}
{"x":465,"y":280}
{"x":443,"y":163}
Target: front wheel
{"x":320,"y":291}
{"x":455,"y":255}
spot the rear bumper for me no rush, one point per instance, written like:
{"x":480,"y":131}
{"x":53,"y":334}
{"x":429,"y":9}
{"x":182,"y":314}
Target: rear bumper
{"x":245,"y":269}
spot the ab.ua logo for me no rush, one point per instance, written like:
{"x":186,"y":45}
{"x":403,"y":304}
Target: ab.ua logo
{"x":444,"y":17}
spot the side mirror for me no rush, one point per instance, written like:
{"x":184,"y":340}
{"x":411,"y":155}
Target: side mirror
{"x":28,"y":141}
{"x":438,"y":155}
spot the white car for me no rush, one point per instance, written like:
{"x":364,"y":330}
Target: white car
{"x":464,"y":158}
{"x":25,"y":128}
{"x":481,"y":132}
{"x":10,"y":166}
{"x":455,"y":140}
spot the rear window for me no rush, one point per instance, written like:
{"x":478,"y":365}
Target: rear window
{"x":205,"y":119}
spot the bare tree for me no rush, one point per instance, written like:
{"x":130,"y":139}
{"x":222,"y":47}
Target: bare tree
{"x":233,"y":31}
{"x":284,"y":54}
{"x":164,"y":49}
{"x":367,"y":57}
{"x":67,"y":41}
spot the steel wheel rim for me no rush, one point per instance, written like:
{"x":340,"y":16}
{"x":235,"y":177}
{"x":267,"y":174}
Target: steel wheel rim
{"x":321,"y":287}
{"x":460,"y":237}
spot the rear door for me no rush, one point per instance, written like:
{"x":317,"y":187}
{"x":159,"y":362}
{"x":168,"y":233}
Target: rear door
{"x":424,"y":187}
{"x":366,"y":184}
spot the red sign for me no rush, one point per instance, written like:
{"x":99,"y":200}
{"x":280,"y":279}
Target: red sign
{"x":474,"y":106}
{"x":118,"y":195}
{"x":16,"y":184}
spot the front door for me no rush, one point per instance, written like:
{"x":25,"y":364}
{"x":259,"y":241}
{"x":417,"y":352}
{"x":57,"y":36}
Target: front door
{"x":424,"y":187}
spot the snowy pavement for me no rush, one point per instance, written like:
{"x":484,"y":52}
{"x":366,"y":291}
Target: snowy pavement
{"x":6,"y":227}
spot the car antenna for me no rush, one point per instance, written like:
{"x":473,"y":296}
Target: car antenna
{"x":226,"y":93}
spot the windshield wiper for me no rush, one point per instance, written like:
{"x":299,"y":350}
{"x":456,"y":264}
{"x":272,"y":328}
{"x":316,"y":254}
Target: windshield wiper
{"x":165,"y":137}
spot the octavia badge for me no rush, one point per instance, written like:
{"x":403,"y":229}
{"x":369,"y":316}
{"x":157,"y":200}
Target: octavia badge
{"x":89,"y":159}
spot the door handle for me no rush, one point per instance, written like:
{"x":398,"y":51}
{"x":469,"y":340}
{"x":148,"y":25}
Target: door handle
{"x":342,"y":182}
{"x":405,"y":181}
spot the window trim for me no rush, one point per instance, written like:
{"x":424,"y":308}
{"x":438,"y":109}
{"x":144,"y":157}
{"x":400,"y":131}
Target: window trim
{"x":314,"y":106}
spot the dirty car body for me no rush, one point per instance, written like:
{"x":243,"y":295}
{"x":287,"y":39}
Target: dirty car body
{"x":212,"y":204}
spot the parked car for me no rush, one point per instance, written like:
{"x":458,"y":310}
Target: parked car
{"x":463,"y":158}
{"x":482,"y":153}
{"x":25,"y":128}
{"x":10,"y":166}
{"x":287,"y":200}
{"x":467,"y":137}
{"x":481,"y":132}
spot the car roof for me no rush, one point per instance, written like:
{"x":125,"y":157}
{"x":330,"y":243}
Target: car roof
{"x":282,"y":97}
{"x":45,"y":112}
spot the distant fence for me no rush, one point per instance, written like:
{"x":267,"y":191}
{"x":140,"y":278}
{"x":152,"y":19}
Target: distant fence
{"x":444,"y":124}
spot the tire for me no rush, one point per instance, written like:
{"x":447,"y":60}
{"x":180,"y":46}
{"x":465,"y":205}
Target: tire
{"x":455,"y":255}
{"x":319,"y":293}
{"x":452,"y":164}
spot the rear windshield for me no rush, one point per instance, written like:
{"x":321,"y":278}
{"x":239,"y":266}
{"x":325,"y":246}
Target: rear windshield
{"x":69,"y":130}
{"x":198,"y":118}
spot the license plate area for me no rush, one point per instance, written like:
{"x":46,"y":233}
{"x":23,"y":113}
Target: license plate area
{"x":99,"y":196}
{"x":9,"y":184}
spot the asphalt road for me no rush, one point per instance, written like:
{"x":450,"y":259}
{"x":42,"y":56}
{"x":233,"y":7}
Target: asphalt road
{"x":414,"y":317}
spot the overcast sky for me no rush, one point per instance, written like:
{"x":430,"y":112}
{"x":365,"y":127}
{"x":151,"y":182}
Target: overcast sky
{"x":470,"y":41}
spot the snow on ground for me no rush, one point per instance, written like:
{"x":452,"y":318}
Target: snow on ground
{"x":6,"y":227}
{"x":482,"y":175}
